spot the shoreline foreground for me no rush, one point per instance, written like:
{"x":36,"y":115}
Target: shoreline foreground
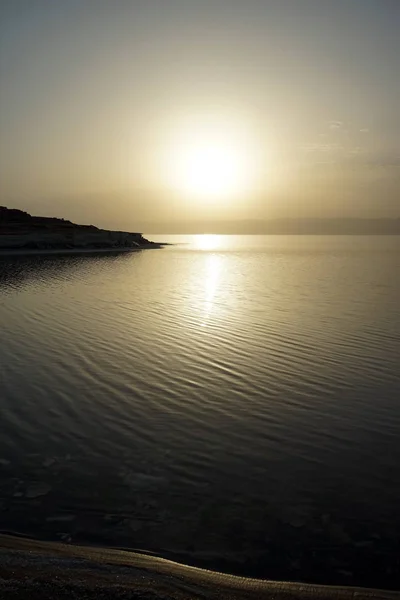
{"x":42,"y":570}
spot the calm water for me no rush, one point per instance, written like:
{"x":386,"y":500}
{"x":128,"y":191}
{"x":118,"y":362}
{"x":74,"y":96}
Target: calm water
{"x":231,"y":402}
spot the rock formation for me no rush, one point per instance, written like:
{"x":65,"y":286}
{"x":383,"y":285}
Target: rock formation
{"x":21,"y":231}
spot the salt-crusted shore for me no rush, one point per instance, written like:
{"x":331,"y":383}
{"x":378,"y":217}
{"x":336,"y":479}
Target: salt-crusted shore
{"x":43,"y":570}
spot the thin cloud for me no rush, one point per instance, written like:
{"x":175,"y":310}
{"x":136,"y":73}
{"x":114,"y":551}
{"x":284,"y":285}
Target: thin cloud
{"x":357,"y":150}
{"x":335,"y":124}
{"x":363,"y":157}
{"x":365,"y":130}
{"x":318,"y":147}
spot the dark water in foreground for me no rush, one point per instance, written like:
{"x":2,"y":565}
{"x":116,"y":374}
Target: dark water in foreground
{"x":234,"y":403}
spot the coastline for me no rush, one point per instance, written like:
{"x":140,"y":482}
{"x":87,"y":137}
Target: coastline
{"x":61,"y":251}
{"x":22,"y":234}
{"x":42,"y":570}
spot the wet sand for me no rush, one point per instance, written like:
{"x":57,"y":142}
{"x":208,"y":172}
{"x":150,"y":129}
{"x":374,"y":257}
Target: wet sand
{"x":43,"y":570}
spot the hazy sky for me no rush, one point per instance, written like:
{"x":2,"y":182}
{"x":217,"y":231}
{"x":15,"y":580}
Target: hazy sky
{"x":101,"y":99}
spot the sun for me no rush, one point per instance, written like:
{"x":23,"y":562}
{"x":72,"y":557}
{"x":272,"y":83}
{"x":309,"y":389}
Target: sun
{"x":211,"y":169}
{"x":209,"y":164}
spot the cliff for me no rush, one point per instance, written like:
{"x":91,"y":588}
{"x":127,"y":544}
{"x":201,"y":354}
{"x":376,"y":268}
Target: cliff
{"x":22,"y":231}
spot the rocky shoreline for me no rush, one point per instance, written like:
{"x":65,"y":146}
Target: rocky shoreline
{"x":22,"y":233}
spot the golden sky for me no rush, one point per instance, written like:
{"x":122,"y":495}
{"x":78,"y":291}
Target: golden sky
{"x":140,"y":112}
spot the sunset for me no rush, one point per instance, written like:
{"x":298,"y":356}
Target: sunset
{"x":211,"y":161}
{"x":151,"y":112}
{"x":199,"y":299}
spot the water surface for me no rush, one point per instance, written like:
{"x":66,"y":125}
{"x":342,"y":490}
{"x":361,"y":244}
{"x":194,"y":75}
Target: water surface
{"x":230,"y":401}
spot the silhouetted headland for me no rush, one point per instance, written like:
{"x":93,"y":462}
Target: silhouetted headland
{"x":21,"y":232}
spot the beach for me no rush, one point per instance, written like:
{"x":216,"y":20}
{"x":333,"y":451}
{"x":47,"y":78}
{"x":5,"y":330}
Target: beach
{"x":38,"y":569}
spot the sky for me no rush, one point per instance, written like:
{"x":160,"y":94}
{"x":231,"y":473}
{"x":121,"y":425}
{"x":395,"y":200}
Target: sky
{"x":135,"y":113}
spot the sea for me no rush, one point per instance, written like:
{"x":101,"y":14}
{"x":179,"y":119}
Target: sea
{"x":230,"y":402}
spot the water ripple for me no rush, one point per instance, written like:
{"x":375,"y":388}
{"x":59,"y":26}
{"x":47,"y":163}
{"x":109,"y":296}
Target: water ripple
{"x":262,"y":379}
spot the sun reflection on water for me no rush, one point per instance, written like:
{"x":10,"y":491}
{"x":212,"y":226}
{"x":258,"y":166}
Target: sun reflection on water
{"x":207,"y":241}
{"x":212,"y":275}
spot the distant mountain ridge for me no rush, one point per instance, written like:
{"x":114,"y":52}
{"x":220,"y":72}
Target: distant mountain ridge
{"x":294,"y":226}
{"x":17,"y":221}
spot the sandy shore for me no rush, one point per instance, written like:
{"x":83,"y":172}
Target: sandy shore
{"x":43,"y":570}
{"x":34,"y":252}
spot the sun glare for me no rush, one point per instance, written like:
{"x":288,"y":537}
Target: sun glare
{"x":210,"y":164}
{"x":211,"y":169}
{"x":207,"y":241}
